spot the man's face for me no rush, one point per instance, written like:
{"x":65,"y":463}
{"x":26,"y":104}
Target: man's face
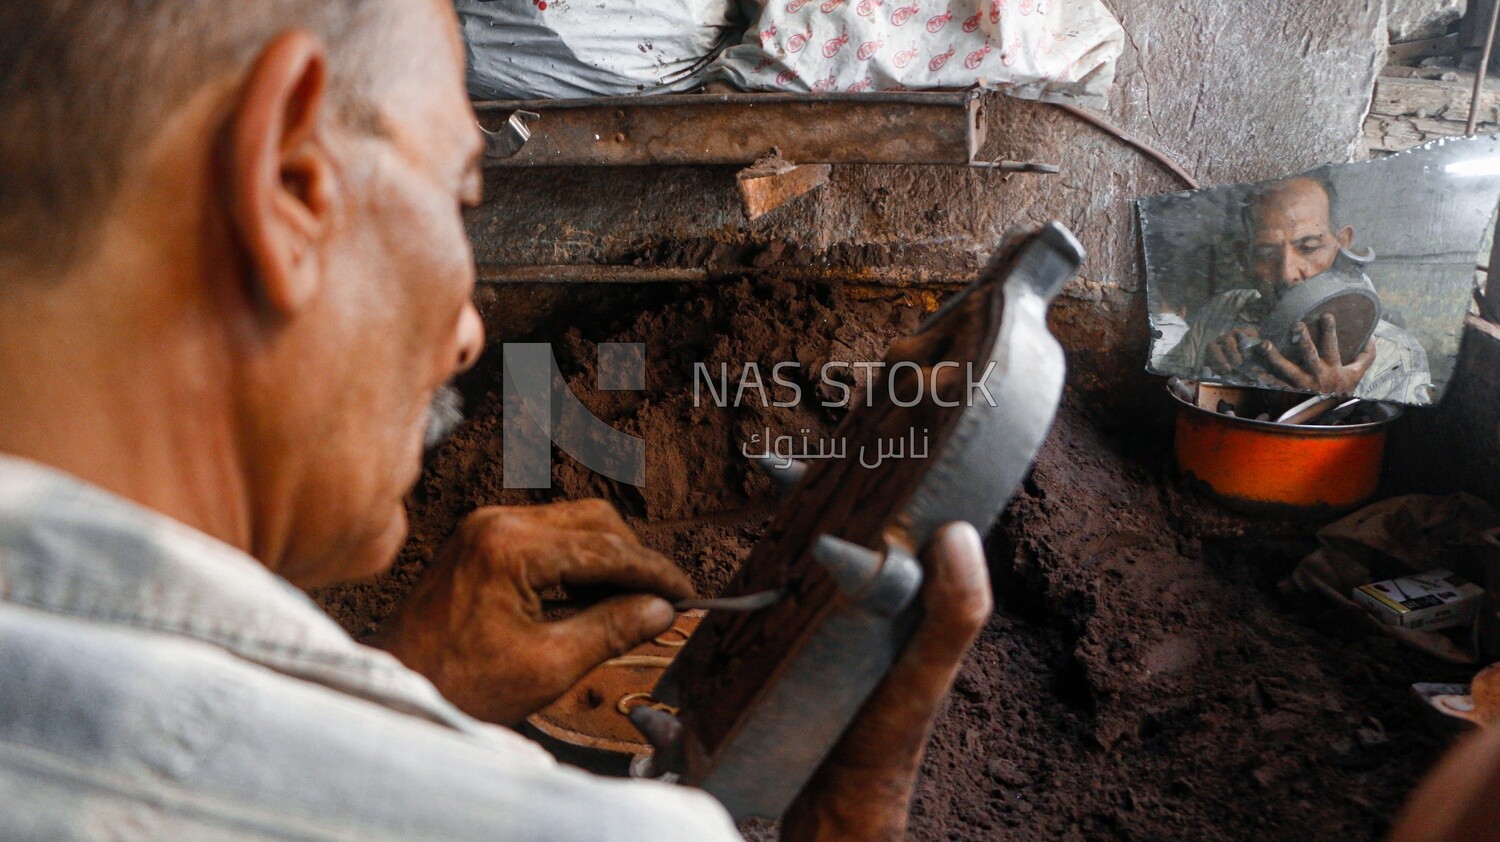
{"x":1294,"y":238}
{"x":397,"y":317}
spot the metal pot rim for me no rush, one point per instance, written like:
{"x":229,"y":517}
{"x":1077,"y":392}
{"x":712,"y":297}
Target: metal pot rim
{"x":1392,"y":412}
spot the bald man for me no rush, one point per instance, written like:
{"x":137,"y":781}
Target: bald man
{"x":1293,"y":239}
{"x":233,"y":275}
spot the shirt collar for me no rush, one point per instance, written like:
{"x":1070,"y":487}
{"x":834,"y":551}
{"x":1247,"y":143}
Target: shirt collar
{"x":73,"y":549}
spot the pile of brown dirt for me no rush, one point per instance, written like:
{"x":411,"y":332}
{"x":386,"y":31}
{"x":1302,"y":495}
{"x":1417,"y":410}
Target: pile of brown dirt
{"x":1141,"y":676}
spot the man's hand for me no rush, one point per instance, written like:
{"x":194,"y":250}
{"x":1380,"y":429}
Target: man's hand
{"x":473,"y":624}
{"x":1224,"y":355}
{"x":1322,"y":370}
{"x":864,"y":788}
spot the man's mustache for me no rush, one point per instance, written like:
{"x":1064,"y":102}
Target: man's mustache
{"x":443,"y":415}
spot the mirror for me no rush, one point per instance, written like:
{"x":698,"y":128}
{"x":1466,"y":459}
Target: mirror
{"x":1348,"y":277}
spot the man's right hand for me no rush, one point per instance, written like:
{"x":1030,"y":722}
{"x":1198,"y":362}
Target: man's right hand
{"x":864,"y":788}
{"x":473,"y":625}
{"x":1322,"y":370}
{"x":1224,"y":356}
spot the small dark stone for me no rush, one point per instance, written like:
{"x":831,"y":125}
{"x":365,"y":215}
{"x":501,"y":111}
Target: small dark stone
{"x":1006,"y":772}
{"x":1265,"y":776}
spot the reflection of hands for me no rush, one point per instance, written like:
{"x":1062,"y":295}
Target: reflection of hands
{"x":1322,"y":370}
{"x":473,"y":625}
{"x":864,"y":787}
{"x":1224,"y":355}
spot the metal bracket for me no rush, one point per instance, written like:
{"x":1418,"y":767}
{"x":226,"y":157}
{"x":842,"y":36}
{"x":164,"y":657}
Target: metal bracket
{"x":741,"y":128}
{"x":512,"y":134}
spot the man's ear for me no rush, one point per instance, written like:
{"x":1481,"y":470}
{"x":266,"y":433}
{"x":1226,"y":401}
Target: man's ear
{"x":1345,"y":236}
{"x":279,"y":174}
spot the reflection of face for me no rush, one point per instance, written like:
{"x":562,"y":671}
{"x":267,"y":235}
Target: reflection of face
{"x":398,"y":320}
{"x":1294,"y":238}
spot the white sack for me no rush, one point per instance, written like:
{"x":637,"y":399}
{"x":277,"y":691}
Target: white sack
{"x":1057,"y":50}
{"x":558,"y":49}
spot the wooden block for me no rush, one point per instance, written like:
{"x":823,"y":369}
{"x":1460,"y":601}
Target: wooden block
{"x":772,"y":182}
{"x":1433,"y":98}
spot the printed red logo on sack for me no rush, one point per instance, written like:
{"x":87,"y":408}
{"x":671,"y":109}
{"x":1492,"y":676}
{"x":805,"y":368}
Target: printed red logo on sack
{"x":972,"y":23}
{"x":767,"y":34}
{"x":939,"y":60}
{"x":824,"y":85}
{"x":795,"y":6}
{"x":762,"y":64}
{"x":862,"y":85}
{"x":903,"y":14}
{"x":973,"y":59}
{"x":994,"y":11}
{"x":904,"y":57}
{"x":937,"y":22}
{"x":1008,"y":57}
{"x":795,"y":43}
{"x":785,"y":77}
{"x":866,"y":8}
{"x":832,"y":46}
{"x":830,"y":5}
{"x":868,"y":49}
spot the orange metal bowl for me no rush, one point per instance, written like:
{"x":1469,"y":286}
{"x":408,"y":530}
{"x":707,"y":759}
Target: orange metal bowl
{"x":1266,"y":467}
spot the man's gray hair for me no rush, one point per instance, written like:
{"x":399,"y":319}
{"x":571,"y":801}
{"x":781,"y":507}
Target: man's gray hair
{"x":444,"y":415}
{"x":85,"y":84}
{"x":1322,"y":176}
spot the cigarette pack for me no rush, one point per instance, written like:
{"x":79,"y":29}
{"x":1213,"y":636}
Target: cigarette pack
{"x":1434,"y":599}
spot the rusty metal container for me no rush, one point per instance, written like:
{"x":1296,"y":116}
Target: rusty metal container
{"x":1285,"y":469}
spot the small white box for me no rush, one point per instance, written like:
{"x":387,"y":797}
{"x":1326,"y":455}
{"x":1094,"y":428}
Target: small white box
{"x":1435,"y":599}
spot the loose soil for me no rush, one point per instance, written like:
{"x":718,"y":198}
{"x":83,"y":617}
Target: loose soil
{"x":1142,"y":676}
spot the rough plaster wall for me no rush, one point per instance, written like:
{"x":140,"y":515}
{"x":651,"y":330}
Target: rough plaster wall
{"x":1411,"y":20}
{"x":1234,"y":94}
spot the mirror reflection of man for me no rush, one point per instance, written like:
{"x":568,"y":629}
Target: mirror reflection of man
{"x":1293,"y":238}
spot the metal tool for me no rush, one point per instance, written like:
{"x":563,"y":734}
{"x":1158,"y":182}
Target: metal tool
{"x":1017,"y":166}
{"x":747,"y":602}
{"x":1482,"y":71}
{"x":1338,"y":413}
{"x":786,"y":473}
{"x":1309,"y":409}
{"x":762,"y":697}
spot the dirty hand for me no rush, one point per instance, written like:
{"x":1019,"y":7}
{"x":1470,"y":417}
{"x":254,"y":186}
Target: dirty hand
{"x":864,"y":788}
{"x":473,"y":624}
{"x":1224,"y":356}
{"x":1321,"y":371}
